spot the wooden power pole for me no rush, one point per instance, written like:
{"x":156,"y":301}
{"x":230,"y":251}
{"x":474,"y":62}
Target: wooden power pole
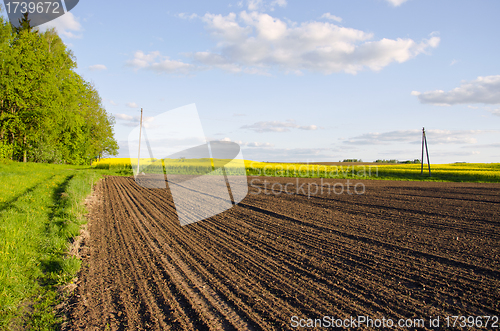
{"x":424,"y":144}
{"x":140,"y":134}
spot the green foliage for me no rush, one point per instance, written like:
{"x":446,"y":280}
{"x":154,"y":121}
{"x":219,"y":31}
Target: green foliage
{"x":387,"y":161}
{"x":44,"y":152}
{"x":352,"y":160}
{"x":48,"y":113}
{"x":24,"y":24}
{"x":6,"y":150}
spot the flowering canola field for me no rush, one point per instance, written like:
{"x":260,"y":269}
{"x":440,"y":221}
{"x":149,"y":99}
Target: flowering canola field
{"x":457,"y":172}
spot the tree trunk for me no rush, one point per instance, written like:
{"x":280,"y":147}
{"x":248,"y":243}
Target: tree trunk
{"x":24,"y":154}
{"x":1,"y":115}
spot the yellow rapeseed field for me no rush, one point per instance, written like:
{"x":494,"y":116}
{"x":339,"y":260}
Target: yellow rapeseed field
{"x":466,"y":172}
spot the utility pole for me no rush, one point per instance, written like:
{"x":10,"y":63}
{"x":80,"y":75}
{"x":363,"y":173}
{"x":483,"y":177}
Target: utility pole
{"x":140,"y":134}
{"x":424,"y":143}
{"x":422,"y":159}
{"x":427,"y":152}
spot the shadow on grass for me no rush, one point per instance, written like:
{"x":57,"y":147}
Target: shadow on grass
{"x":59,"y":230}
{"x":61,"y":203}
{"x":11,"y":203}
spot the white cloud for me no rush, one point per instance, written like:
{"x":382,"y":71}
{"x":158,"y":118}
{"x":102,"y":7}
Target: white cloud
{"x":109,"y":101}
{"x":415,"y":137}
{"x":66,"y":26}
{"x":281,"y":3}
{"x":154,"y":61}
{"x":254,"y":42}
{"x":134,"y":121}
{"x":291,"y":154}
{"x":257,"y":144}
{"x":484,"y":90}
{"x":255,"y":5}
{"x":277,"y":126}
{"x":495,"y":112}
{"x":492,"y":145}
{"x":98,"y":67}
{"x":308,"y":127}
{"x":187,"y":16}
{"x":249,"y":144}
{"x":132,"y":105}
{"x":453,"y":62}
{"x":124,"y":117}
{"x":396,"y":3}
{"x":258,"y":41}
{"x":331,"y":17}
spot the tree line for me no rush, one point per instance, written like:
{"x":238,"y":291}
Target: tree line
{"x":48,"y":113}
{"x":415,"y":161}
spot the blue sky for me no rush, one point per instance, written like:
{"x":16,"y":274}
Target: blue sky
{"x":302,"y":81}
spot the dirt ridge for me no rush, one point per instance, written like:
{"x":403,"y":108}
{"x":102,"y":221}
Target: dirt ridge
{"x":391,"y":252}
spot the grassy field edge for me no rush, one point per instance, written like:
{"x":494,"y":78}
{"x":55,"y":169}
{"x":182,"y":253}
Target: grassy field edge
{"x":38,"y":225}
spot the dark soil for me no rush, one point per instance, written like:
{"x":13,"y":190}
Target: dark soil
{"x":401,"y":250}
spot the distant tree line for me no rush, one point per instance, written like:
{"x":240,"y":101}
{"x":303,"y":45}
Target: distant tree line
{"x":384,"y":161}
{"x":397,"y":161}
{"x":48,"y":113}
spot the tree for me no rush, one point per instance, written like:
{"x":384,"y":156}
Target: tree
{"x":48,"y":113}
{"x":6,"y":146}
{"x":24,"y":24}
{"x":31,"y":87}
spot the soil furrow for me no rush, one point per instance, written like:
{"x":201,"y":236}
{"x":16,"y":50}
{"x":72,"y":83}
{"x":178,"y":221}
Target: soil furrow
{"x":401,"y":250}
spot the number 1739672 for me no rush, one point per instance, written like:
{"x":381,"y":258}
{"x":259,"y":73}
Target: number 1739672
{"x":23,"y":7}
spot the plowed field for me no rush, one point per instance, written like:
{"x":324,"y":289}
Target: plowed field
{"x":402,"y":250}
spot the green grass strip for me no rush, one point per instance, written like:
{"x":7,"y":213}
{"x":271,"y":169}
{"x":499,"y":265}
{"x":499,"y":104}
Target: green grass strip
{"x":41,"y":210}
